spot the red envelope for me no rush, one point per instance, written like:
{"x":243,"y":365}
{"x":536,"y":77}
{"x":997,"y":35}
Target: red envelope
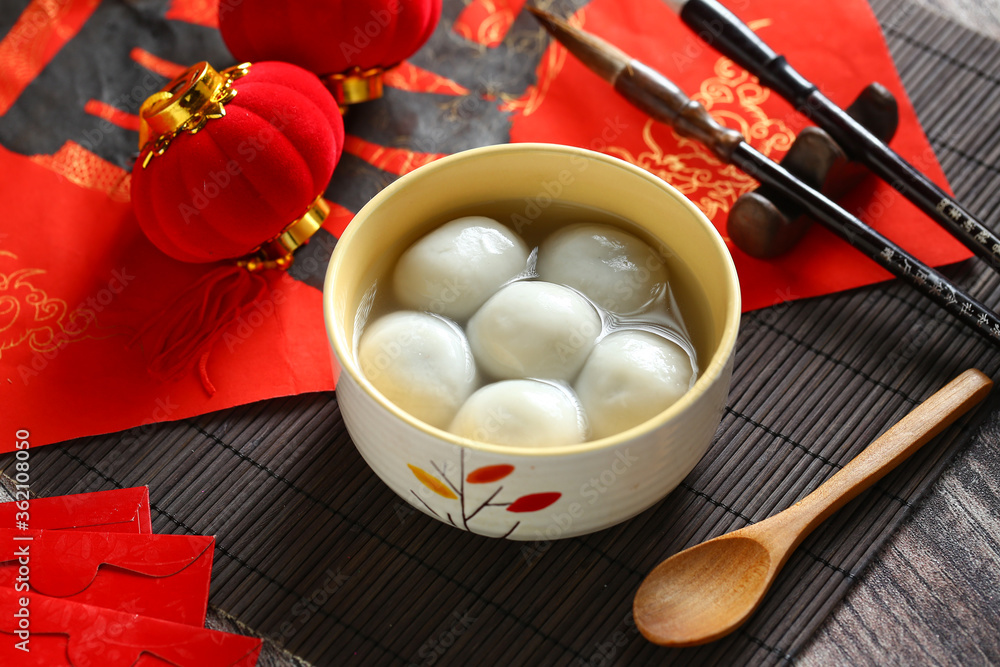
{"x":163,"y":576}
{"x":116,"y":511}
{"x":58,"y":632}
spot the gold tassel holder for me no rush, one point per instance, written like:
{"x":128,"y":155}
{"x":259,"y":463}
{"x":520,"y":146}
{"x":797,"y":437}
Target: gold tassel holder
{"x":355,"y":85}
{"x":278,"y":253}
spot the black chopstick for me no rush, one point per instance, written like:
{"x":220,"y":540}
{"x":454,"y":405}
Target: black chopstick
{"x":662,"y":100}
{"x":737,"y":41}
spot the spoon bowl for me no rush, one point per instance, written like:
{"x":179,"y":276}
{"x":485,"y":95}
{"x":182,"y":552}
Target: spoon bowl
{"x":725,"y":574}
{"x":705,"y":592}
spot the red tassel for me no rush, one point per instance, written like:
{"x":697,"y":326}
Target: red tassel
{"x":185,"y":331}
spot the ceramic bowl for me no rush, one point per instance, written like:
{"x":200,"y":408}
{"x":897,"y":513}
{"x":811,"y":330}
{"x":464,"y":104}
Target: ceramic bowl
{"x":538,"y":494}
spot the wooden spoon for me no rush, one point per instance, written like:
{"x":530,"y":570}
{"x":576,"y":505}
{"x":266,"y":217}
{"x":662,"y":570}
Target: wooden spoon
{"x":705,"y":592}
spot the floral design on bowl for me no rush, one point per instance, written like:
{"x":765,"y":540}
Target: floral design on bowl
{"x":443,"y":486}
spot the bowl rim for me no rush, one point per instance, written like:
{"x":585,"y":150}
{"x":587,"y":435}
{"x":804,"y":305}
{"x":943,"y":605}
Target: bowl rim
{"x":343,"y":349}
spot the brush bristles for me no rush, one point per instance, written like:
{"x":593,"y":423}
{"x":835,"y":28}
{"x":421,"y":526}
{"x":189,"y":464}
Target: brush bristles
{"x":602,"y":58}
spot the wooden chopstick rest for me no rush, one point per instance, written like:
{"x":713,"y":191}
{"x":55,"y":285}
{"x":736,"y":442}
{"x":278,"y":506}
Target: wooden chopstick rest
{"x":766,"y":224}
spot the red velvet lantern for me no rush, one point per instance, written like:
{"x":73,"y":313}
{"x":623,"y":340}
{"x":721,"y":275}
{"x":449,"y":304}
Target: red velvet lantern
{"x":234,"y":161}
{"x":232,"y":166}
{"x":348,"y":43}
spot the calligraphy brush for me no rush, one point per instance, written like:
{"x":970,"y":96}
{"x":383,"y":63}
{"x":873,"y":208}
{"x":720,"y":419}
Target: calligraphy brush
{"x":657,"y":96}
{"x":734,"y":39}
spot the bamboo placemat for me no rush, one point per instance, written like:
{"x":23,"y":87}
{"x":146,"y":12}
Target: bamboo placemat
{"x":317,"y":554}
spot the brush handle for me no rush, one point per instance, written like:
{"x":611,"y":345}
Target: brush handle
{"x":661,"y":99}
{"x":721,"y":29}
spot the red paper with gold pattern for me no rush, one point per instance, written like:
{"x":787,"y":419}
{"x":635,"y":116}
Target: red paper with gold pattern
{"x":837,"y":45}
{"x":487,"y":21}
{"x":77,"y":276}
{"x":71,"y":298}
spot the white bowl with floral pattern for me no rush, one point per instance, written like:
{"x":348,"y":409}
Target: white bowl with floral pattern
{"x":545,"y":493}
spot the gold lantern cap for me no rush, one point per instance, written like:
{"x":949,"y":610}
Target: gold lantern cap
{"x":185,"y":104}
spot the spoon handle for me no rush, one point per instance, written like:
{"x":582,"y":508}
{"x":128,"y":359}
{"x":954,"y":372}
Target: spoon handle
{"x":889,"y":450}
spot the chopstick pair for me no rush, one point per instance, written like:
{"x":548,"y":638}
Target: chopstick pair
{"x":662,"y":100}
{"x":735,"y":40}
